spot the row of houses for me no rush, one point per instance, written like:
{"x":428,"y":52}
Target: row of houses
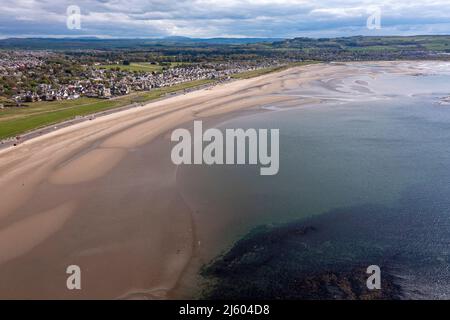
{"x":100,"y":83}
{"x":70,"y":92}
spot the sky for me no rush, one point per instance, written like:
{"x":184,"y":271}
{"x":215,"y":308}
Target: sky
{"x":224,"y":18}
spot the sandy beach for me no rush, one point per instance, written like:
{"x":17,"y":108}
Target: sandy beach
{"x":103,"y":195}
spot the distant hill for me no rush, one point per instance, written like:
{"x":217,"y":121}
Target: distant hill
{"x":223,"y":40}
{"x":324,"y":49}
{"x":96,"y":43}
{"x":393,"y":43}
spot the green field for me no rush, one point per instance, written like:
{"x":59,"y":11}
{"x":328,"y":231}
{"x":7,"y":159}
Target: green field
{"x":139,"y":67}
{"x":18,"y":120}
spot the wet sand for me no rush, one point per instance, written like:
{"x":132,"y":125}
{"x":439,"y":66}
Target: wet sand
{"x":103,"y":194}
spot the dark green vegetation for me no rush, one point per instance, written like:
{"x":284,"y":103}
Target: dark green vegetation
{"x":201,"y":50}
{"x":57,"y":66}
{"x":368,"y":48}
{"x":438,"y":43}
{"x":121,"y":44}
{"x":14,"y":121}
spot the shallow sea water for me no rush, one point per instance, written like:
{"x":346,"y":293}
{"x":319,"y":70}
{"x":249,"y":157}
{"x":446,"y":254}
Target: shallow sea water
{"x":372,"y":175}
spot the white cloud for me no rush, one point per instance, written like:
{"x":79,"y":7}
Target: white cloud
{"x":210,"y":18}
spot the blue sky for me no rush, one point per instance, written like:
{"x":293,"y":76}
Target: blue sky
{"x":225,"y":18}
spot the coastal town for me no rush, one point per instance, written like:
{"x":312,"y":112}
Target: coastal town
{"x":68,"y":69}
{"x":31,"y":76}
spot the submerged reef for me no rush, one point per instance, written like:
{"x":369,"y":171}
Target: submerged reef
{"x":287,"y":262}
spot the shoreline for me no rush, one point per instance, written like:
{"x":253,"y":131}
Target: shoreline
{"x":102,"y":194}
{"x":13,"y":141}
{"x":65,"y":168}
{"x":9,"y":142}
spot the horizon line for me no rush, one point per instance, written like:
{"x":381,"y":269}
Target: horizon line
{"x":96,"y":37}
